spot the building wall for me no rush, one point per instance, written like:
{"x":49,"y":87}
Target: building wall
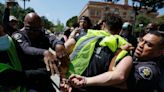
{"x":95,"y":10}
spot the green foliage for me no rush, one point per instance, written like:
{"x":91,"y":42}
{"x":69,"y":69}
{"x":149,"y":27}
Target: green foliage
{"x":141,"y":21}
{"x":47,"y":24}
{"x":1,"y":11}
{"x":20,"y":13}
{"x":72,"y":21}
{"x":59,"y":27}
{"x":160,"y":20}
{"x":151,"y":5}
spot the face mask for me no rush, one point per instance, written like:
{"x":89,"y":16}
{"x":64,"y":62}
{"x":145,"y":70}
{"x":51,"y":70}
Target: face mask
{"x":4,"y":43}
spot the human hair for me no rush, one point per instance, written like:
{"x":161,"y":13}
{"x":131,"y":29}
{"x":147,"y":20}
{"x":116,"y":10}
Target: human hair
{"x":87,"y":19}
{"x":161,"y":35}
{"x":113,"y":21}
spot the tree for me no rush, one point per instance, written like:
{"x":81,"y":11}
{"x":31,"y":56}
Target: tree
{"x":141,"y":22}
{"x":72,"y":21}
{"x":151,"y":5}
{"x":1,"y":11}
{"x":59,"y":27}
{"x":20,"y":13}
{"x":160,"y":20}
{"x":47,"y":24}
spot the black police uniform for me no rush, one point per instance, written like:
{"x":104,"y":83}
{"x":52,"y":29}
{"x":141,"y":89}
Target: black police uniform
{"x":34,"y":49}
{"x":34,"y":58}
{"x":144,"y":76}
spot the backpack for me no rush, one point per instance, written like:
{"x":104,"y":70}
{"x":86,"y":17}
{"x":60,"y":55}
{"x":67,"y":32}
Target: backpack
{"x":99,"y":61}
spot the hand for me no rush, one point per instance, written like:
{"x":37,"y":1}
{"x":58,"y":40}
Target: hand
{"x":63,"y":57}
{"x":60,"y":51}
{"x":78,"y":81}
{"x":74,"y":32}
{"x":49,"y":60}
{"x":65,"y":86}
{"x":127,"y":47}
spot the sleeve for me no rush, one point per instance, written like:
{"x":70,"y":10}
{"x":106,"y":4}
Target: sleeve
{"x":147,"y":76}
{"x":52,"y":39}
{"x":26,"y":45}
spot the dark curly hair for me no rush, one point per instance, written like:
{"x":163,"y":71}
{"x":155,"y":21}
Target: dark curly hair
{"x":113,"y":21}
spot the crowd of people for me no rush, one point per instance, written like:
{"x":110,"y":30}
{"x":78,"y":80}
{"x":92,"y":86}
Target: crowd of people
{"x":89,"y":58}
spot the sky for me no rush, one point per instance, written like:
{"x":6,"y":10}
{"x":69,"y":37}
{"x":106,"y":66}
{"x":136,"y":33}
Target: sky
{"x":59,"y":9}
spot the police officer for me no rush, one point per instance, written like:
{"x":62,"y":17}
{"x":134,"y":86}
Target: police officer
{"x":145,"y":73}
{"x":36,"y":42}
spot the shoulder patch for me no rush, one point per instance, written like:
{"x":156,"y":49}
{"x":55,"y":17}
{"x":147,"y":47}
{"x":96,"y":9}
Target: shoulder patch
{"x":17,"y":36}
{"x":145,"y":72}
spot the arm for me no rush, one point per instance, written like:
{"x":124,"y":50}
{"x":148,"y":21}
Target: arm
{"x":26,"y":45}
{"x":31,"y":50}
{"x":117,"y":76}
{"x":69,"y":45}
{"x":109,"y":78}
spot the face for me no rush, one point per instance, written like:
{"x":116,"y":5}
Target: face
{"x":148,"y":47}
{"x":35,"y":34}
{"x":83,"y":24}
{"x":13,"y":24}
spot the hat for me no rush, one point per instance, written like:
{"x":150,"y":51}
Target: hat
{"x":12,"y":18}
